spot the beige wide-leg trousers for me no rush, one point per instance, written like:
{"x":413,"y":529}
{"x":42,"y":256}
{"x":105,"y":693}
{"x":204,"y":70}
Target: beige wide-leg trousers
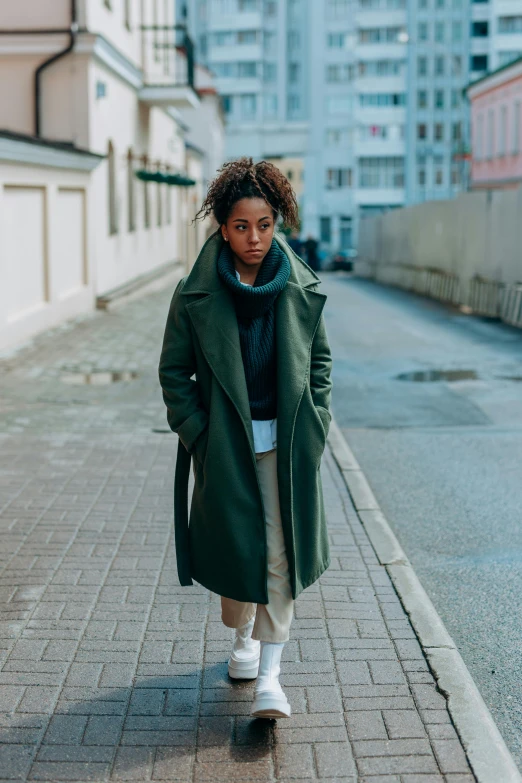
{"x":273,"y":620}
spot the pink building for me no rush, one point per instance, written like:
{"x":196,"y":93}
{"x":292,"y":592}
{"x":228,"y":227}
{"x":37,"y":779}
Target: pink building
{"x":496,"y":128}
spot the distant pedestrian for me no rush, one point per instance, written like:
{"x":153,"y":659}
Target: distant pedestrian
{"x":295,"y":243}
{"x":245,"y":372}
{"x":312,"y":259}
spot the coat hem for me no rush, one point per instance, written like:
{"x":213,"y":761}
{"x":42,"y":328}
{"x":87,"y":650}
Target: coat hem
{"x":320,"y":571}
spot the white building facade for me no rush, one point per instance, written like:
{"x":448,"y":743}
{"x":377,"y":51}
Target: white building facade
{"x":114,"y":98}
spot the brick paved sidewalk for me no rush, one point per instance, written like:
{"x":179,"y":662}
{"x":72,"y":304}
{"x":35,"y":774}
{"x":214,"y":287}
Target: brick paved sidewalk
{"x":111,"y":671}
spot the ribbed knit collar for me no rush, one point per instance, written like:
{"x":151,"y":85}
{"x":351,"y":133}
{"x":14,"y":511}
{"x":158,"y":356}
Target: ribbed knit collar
{"x":254,"y":301}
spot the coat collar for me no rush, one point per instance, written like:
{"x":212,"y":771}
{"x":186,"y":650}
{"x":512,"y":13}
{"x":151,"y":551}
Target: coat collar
{"x":298,"y":310}
{"x":204,"y":278}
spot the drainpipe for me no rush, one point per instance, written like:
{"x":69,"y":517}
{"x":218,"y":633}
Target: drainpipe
{"x":73,"y":32}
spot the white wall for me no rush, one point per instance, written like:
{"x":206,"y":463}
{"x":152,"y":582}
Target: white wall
{"x":44,"y":249}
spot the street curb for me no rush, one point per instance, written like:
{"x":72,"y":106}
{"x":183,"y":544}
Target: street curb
{"x":487,"y":752}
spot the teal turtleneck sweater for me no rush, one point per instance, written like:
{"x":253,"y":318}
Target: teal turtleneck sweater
{"x":255,"y":311}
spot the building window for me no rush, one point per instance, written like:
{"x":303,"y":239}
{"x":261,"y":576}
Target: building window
{"x":455,"y":98}
{"x":336,"y":9}
{"x":294,"y":72}
{"x":339,"y":104}
{"x":456,"y":65}
{"x":248,"y":5}
{"x":382,"y":99}
{"x":326,"y":230}
{"x":393,"y":132}
{"x":439,"y":99}
{"x":270,"y":105}
{"x":439,"y":65}
{"x":439,"y":32}
{"x":247,"y":37}
{"x":515,"y":147}
{"x":439,"y":3}
{"x":345,"y":232}
{"x":438,"y":131}
{"x":421,"y":176}
{"x":159,"y":205}
{"x":479,"y":151}
{"x":456,"y":131}
{"x":293,"y":8}
{"x":422,"y":31}
{"x":270,"y":41}
{"x":375,"y":35}
{"x":480,"y":29}
{"x":455,"y":176}
{"x":294,"y":40}
{"x":338,"y":137}
{"x":422,"y":130}
{"x":169,"y":201}
{"x":423,"y":4}
{"x":293,"y":104}
{"x":491,"y":134}
{"x":502,"y":131}
{"x":456,"y":31}
{"x":380,"y":67}
{"x":270,"y":7}
{"x":422,"y":66}
{"x":113,"y":189}
{"x":131,"y":200}
{"x":248,"y":106}
{"x":227,"y":102}
{"x":439,"y":176}
{"x":336,"y":74}
{"x":338,"y":178}
{"x":479,"y":62}
{"x":337,"y":40}
{"x":510,"y":24}
{"x":270,"y":72}
{"x":247,"y":70}
{"x":381,"y":172}
{"x":422,"y":99}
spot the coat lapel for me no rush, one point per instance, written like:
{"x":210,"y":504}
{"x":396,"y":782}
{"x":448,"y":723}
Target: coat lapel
{"x":214,"y":320}
{"x":298,"y":311}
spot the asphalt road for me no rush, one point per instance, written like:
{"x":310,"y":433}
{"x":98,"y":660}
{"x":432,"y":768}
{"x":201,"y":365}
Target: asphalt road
{"x":444,"y":459}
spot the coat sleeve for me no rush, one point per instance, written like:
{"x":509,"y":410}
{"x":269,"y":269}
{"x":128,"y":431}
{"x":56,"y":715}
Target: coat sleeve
{"x":185,"y":414}
{"x":320,"y":370}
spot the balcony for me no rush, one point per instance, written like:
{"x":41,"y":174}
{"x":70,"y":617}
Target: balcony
{"x":168,"y":67}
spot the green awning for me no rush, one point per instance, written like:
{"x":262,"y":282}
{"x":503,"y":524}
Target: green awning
{"x":173,"y":180}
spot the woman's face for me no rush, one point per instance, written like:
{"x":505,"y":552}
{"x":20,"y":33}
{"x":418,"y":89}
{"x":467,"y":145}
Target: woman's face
{"x":249,"y":230}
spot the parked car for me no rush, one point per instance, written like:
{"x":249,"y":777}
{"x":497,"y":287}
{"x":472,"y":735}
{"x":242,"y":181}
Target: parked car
{"x":343,"y":259}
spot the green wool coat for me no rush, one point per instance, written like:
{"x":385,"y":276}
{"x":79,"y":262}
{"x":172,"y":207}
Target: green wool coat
{"x":223,"y":547}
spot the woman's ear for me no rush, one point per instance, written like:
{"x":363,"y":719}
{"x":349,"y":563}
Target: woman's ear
{"x":224,"y":233}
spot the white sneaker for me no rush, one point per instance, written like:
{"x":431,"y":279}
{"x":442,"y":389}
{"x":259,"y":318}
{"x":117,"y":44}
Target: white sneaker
{"x":269,"y":698}
{"x":243,"y":663}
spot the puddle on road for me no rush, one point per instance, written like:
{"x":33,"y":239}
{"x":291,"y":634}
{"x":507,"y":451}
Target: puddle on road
{"x":98,"y":378}
{"x":430,"y":376}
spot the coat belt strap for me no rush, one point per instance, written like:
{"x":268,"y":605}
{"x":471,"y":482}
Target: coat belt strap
{"x":181,"y":518}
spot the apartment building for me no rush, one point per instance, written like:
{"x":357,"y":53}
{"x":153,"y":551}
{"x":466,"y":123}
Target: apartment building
{"x":496,"y":35}
{"x":368,"y":92}
{"x":92,"y":93}
{"x":439,"y":59}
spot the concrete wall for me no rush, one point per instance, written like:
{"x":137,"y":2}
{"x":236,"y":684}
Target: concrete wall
{"x":476,"y":235}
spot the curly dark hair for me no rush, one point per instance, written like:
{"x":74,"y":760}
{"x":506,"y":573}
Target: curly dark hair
{"x":242,"y":178}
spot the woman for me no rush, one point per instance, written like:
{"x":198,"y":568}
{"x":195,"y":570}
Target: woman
{"x":245,"y":372}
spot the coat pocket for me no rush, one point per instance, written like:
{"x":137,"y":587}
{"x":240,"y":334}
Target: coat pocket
{"x":326,"y":418}
{"x":200,"y":447}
